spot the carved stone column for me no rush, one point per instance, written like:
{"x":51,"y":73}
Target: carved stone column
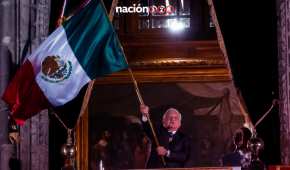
{"x":33,"y":26}
{"x":5,"y":64}
{"x":34,"y":143}
{"x":23,"y":26}
{"x":283,"y":13}
{"x":6,"y":150}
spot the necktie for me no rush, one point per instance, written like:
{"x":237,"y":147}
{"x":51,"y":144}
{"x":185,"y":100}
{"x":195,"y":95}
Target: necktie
{"x":171,"y":134}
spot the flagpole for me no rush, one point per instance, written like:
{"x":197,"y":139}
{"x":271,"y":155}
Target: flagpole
{"x":141,"y":101}
{"x":61,"y":18}
{"x":63,"y":9}
{"x":148,"y":118}
{"x":91,"y":85}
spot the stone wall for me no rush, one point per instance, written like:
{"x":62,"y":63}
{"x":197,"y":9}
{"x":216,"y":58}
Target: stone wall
{"x":24,"y":25}
{"x":284,"y":75}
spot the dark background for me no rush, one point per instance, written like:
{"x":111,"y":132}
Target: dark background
{"x":250,"y":34}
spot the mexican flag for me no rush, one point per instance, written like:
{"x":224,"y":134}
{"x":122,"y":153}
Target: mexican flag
{"x":83,"y":48}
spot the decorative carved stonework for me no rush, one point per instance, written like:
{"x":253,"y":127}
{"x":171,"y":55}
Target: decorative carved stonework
{"x":188,"y":61}
{"x":177,"y":54}
{"x":284,"y":77}
{"x":174,"y":54}
{"x":174,"y":62}
{"x":168,"y":75}
{"x":24,"y":25}
{"x":33,"y":151}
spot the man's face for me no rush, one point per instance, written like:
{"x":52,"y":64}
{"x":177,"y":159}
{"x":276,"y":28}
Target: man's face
{"x":171,"y":121}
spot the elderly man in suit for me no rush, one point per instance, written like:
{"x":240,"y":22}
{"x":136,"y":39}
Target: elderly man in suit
{"x":174,"y":145}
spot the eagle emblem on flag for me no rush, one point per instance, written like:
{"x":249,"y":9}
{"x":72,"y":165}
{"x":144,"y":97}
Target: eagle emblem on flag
{"x":54,"y":69}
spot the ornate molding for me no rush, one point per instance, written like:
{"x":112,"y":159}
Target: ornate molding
{"x":179,"y":62}
{"x":188,"y":61}
{"x":169,"y":75}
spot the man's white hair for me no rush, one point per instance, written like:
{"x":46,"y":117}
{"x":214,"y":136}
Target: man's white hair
{"x":172,"y":110}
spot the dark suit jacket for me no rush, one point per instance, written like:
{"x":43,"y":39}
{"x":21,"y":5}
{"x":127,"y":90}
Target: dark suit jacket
{"x":232,"y":159}
{"x":179,"y":148}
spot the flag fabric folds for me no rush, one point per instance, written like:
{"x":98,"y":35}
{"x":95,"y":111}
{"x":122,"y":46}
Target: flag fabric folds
{"x":83,"y":48}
